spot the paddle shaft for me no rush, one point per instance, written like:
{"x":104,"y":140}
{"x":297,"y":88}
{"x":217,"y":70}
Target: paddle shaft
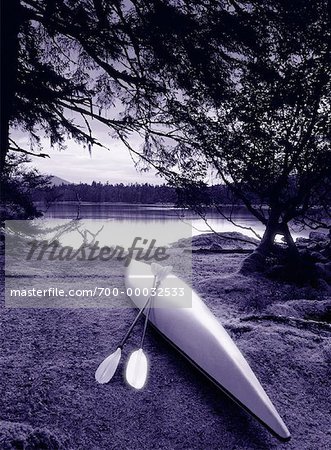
{"x":146,"y":322}
{"x":137,"y":318}
{"x":148,"y":306}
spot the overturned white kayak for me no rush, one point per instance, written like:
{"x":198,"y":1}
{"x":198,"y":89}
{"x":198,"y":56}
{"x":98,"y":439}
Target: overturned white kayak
{"x":200,"y":337}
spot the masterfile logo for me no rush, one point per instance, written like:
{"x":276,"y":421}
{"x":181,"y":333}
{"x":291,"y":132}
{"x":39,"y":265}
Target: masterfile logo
{"x":55,"y":263}
{"x":54,"y":251}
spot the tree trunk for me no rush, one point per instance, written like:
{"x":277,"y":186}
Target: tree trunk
{"x":293,"y":250}
{"x":255,"y":262}
{"x":11,"y":19}
{"x":268,"y":239}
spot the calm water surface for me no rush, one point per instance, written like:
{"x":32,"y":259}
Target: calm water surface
{"x":159,"y":217}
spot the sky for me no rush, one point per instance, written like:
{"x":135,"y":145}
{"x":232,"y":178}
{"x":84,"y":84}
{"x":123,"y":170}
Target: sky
{"x":75,"y":164}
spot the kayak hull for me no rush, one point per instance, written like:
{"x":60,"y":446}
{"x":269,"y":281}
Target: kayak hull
{"x":200,"y":337}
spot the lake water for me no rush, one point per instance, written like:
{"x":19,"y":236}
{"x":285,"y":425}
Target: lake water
{"x":159,"y":217}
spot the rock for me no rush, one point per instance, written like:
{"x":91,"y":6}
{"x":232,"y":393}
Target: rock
{"x":317,"y":256}
{"x":323,"y":285}
{"x":326,"y":252}
{"x":313,"y":246}
{"x":325,"y":244}
{"x":324,"y":271}
{"x":215,"y":246}
{"x":303,"y":252}
{"x":253,"y":263}
{"x":17,"y":435}
{"x":182,"y":243}
{"x":318,"y":236}
{"x":328,"y":265}
{"x":228,"y":240}
{"x":302,"y":240}
{"x":301,"y":245}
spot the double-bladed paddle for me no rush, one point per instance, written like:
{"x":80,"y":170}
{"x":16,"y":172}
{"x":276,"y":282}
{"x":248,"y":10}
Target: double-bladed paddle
{"x":107,"y":368}
{"x":137,"y":366}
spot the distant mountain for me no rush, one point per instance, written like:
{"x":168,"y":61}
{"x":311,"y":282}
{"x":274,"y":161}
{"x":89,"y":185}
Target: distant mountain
{"x":57,"y":181}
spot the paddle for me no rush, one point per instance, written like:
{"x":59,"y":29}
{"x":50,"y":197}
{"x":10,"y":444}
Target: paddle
{"x":107,"y":368}
{"x":137,"y":367}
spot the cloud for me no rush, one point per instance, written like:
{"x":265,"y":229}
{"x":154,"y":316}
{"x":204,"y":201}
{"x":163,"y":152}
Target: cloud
{"x":75,"y":164}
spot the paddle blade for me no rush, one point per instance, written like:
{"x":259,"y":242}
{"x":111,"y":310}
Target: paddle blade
{"x":137,"y":369}
{"x":107,"y":368}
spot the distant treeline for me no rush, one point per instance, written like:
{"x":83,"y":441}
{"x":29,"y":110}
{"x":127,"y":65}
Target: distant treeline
{"x":132,"y":193}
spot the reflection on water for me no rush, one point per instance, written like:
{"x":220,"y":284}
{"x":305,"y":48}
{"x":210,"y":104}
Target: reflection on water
{"x":111,"y":232}
{"x":137,"y":215}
